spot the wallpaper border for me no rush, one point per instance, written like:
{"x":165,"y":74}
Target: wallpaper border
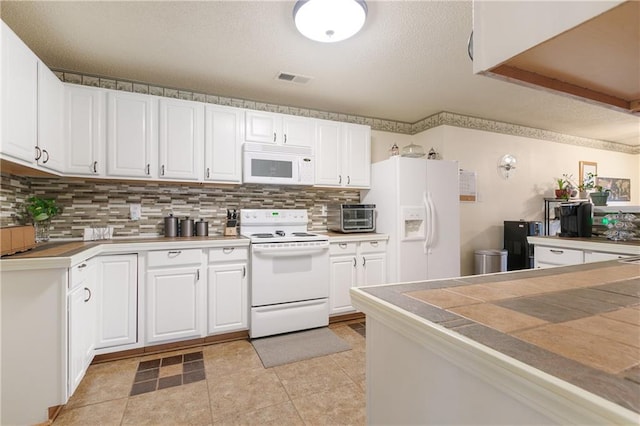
{"x":435,"y":120}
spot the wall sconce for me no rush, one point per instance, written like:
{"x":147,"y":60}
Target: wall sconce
{"x":507,"y":166}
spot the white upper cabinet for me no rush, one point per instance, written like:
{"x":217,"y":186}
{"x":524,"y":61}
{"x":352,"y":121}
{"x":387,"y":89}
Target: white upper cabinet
{"x":357,"y":155}
{"x":84,"y":130}
{"x":343,"y":154}
{"x":131,"y":135}
{"x":268,"y":127}
{"x":181,"y":139}
{"x":328,"y":153}
{"x":19,"y":98}
{"x":51,"y":152}
{"x":223,"y":144}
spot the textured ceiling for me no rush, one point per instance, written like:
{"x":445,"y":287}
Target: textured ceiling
{"x":409,"y":61}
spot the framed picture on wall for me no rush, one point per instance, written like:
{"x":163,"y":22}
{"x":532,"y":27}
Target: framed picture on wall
{"x":587,"y":167}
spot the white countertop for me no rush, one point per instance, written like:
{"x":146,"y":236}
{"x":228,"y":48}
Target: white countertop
{"x":594,"y":244}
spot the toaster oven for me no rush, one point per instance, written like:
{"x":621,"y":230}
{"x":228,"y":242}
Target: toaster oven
{"x":348,"y":218}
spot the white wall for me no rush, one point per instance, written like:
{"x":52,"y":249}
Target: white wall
{"x":519,"y":197}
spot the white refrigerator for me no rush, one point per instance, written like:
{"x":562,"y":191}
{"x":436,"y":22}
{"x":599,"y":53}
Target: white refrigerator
{"x":418,"y":205}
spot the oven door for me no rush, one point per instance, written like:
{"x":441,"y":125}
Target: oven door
{"x":289,"y":272}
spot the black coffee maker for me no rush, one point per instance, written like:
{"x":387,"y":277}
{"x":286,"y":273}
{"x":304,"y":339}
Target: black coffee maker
{"x":575,"y":219}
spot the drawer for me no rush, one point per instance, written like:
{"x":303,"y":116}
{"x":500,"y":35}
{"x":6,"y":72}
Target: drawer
{"x":226,"y":254}
{"x":161,"y":258}
{"x":558,"y":256}
{"x":379,"y":246}
{"x":337,"y":249}
{"x":598,"y":256}
{"x":78,"y":273}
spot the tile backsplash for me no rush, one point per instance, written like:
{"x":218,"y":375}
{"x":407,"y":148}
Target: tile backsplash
{"x":99,"y":203}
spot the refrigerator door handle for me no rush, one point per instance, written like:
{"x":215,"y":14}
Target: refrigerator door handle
{"x":427,"y":225}
{"x":432,"y":220}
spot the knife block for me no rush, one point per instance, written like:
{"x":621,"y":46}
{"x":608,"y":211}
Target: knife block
{"x":230,"y":228}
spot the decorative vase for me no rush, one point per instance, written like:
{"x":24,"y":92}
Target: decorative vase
{"x":599,"y":198}
{"x":42,"y":230}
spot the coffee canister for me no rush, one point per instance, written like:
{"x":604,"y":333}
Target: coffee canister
{"x":186,"y":227}
{"x":202,"y":228}
{"x":170,"y":226}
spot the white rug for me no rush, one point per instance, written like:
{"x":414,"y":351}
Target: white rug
{"x":298,"y":346}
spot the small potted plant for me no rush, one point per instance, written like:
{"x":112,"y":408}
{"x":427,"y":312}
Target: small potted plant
{"x":587,"y":185}
{"x":563,"y":190}
{"x":599,"y":196}
{"x":41,"y":211}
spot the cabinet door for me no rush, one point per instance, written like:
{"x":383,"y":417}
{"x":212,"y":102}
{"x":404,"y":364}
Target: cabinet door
{"x":81,"y":328}
{"x":328,"y":153}
{"x":262,"y":126}
{"x":181,"y":139}
{"x":300,"y":131}
{"x":50,"y":119}
{"x":374,"y":269}
{"x":357,"y":155}
{"x":131,"y":135}
{"x":223,"y":143}
{"x":117,"y":300}
{"x":19,"y":98}
{"x":227,"y":298}
{"x":173,"y":309}
{"x":84,"y":130}
{"x":343,"y":276}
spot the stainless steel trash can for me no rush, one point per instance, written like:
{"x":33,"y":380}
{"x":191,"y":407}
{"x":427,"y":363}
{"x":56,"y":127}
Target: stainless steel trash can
{"x":489,"y":261}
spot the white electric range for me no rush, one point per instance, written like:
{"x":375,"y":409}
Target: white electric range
{"x":289,"y":271}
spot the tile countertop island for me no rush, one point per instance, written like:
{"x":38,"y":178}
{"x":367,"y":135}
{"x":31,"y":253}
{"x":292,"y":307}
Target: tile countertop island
{"x":547,"y":346}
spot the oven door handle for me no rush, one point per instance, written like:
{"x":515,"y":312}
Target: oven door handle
{"x":288,"y":252}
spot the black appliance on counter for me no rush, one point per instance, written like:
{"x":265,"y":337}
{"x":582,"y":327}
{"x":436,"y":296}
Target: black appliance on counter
{"x":519,"y":251}
{"x":575,"y":219}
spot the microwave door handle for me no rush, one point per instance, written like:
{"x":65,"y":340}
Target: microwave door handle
{"x":299,"y":174}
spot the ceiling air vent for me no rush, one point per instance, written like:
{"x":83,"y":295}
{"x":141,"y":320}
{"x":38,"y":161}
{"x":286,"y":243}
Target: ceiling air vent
{"x":293,"y":78}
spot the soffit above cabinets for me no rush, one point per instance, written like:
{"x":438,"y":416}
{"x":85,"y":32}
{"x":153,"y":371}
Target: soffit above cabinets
{"x":598,"y":60}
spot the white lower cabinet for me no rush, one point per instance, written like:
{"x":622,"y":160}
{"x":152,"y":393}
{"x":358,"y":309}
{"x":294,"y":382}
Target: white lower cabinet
{"x":117,"y":301}
{"x":174,"y":295}
{"x":598,"y":256}
{"x":354,"y":264}
{"x":227,"y":290}
{"x":549,"y":256}
{"x":81,"y":304}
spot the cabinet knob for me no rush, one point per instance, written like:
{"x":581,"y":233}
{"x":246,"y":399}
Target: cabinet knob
{"x":162,"y":170}
{"x":339,"y":178}
{"x":208,"y":172}
{"x":148,"y":171}
{"x":274,"y":136}
{"x":348,"y":180}
{"x":89,"y":296}
{"x":46,"y":160}
{"x":95,"y":167}
{"x":364,"y":261}
{"x":38,"y":153}
{"x":285,"y":138}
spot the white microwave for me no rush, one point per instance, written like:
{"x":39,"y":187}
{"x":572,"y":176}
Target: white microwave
{"x":278,"y":164}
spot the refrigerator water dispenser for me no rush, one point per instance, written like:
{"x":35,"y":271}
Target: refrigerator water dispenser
{"x":412,"y":223}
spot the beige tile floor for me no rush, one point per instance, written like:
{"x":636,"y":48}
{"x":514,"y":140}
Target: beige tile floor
{"x":238,"y":390}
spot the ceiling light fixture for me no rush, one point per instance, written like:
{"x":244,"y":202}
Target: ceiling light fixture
{"x":329,"y":21}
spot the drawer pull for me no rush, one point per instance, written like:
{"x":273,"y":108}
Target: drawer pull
{"x":364,"y":261}
{"x":244,"y":271}
{"x":354,"y":262}
{"x":89,"y":296}
{"x":557,"y":251}
{"x":342,"y":245}
{"x":228,"y":250}
{"x":374,"y":243}
{"x":174,"y":253}
{"x":84,"y":265}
